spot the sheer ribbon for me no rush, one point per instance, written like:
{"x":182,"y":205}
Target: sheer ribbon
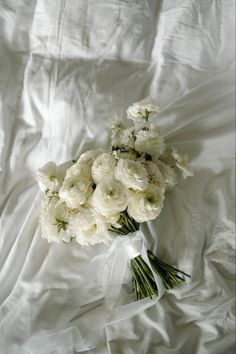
{"x":87,"y":329}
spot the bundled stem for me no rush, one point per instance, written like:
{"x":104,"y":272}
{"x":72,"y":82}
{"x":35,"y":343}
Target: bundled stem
{"x":143,"y":280}
{"x":127,"y":224}
{"x":142,"y":276}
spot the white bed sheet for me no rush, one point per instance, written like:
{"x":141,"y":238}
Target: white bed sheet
{"x":66,"y":68}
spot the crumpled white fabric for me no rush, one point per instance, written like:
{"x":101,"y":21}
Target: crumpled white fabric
{"x":66,"y":67}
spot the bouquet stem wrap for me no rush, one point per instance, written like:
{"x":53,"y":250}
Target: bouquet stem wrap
{"x":84,"y":329}
{"x":117,"y":257}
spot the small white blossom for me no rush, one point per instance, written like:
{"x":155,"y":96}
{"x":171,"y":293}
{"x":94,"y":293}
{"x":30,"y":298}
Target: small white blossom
{"x":54,"y":218}
{"x":182,"y":163}
{"x":154,"y":175}
{"x":75,"y":191}
{"x":79,"y":169}
{"x":110,"y":197}
{"x":168,"y":174}
{"x":146,"y":205}
{"x":88,"y":228}
{"x":111,"y":220}
{"x":89,"y":156}
{"x":150,"y":142}
{"x":127,"y":137}
{"x":132,"y":174}
{"x":103,"y":167}
{"x":143,"y":110}
{"x":50,"y":177}
{"x":115,"y":124}
{"x":121,"y":135}
{"x":124,"y":138}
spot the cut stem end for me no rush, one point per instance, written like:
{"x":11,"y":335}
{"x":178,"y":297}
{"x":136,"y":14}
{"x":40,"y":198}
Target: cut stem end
{"x":143,"y":278}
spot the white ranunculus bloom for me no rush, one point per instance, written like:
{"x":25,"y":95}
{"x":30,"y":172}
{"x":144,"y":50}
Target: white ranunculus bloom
{"x":127,"y":137}
{"x":146,"y":205}
{"x":89,"y":156}
{"x":168,"y":174}
{"x":111,"y":220}
{"x":75,"y":191}
{"x":110,"y":197}
{"x":143,"y":110}
{"x":154,"y":175}
{"x":83,"y":167}
{"x":132,"y":174}
{"x":88,"y":228}
{"x":50,"y":177}
{"x":103,"y":167}
{"x":123,"y":137}
{"x":150,"y":142}
{"x":54,"y":218}
{"x":182,"y":163}
{"x":79,"y":169}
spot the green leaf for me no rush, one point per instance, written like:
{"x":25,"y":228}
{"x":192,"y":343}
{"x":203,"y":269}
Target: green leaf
{"x":61,"y":225}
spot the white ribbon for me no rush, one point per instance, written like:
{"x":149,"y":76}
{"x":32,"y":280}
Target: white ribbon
{"x":132,"y":246}
{"x":87,"y":329}
{"x":122,"y":250}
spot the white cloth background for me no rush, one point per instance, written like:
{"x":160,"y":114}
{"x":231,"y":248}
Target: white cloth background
{"x":67,"y":67}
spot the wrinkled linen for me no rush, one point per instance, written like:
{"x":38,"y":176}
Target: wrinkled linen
{"x":66,"y":69}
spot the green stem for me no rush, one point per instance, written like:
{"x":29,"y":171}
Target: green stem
{"x":128,"y":225}
{"x":145,"y":273}
{"x":143,"y":278}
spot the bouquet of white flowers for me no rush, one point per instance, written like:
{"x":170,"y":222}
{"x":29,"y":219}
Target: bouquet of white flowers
{"x":105,"y":193}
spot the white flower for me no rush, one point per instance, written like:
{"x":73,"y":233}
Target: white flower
{"x":111,"y":220}
{"x":110,"y":197}
{"x":146,"y":205}
{"x":89,"y":156}
{"x":127,"y":137}
{"x":115,"y":123}
{"x":132,"y":174}
{"x":143,"y":110}
{"x":75,"y":191}
{"x":168,"y":174}
{"x":182,"y":163}
{"x":79,"y":169}
{"x":103,"y":167}
{"x":50,"y":177}
{"x":150,"y":142}
{"x":62,"y":211}
{"x":117,"y":127}
{"x":154,"y":175}
{"x":83,"y":167}
{"x":122,"y":137}
{"x":54,"y":219}
{"x":88,"y":228}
